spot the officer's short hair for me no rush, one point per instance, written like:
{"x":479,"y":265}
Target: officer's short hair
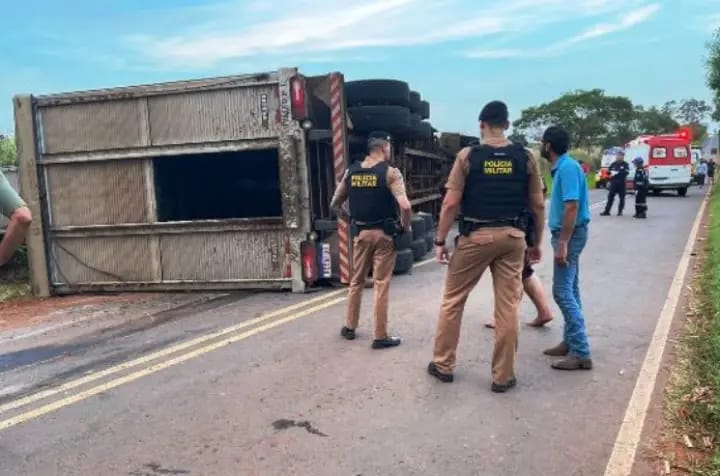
{"x":558,"y":138}
{"x":378,"y":139}
{"x":495,"y":114}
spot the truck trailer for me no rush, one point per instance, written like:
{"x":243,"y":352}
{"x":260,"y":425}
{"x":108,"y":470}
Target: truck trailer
{"x":212,"y":184}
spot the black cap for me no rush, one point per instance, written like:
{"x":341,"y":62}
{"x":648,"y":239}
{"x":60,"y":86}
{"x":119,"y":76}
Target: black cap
{"x":494,"y":112}
{"x":376,"y":138}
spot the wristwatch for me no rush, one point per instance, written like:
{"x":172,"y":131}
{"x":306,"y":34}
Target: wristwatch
{"x":439,"y":243}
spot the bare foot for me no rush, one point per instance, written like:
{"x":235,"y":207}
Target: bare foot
{"x":540,"y":321}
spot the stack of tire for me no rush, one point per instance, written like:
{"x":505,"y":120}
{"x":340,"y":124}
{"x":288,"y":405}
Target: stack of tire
{"x":388,"y":105}
{"x":414,"y":246}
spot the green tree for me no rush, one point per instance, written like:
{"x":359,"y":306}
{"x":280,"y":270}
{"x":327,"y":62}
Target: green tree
{"x":591,"y":117}
{"x":655,"y":120}
{"x":8,"y":154}
{"x":519,"y":138}
{"x":713,"y":71}
{"x":692,"y":113}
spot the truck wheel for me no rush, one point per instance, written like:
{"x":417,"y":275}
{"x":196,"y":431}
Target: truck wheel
{"x":430,"y":240}
{"x":419,"y":249}
{"x":415,"y":102}
{"x":429,"y":221}
{"x":422,"y":131}
{"x":377,"y":92}
{"x":404,"y":241}
{"x":410,"y":132}
{"x":404,"y":262}
{"x":682,"y":191}
{"x":393,"y":119}
{"x":425,"y":109}
{"x":418,"y":227}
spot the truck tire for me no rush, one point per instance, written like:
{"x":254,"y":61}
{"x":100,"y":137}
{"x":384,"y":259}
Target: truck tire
{"x":656,"y":191}
{"x":404,"y":241}
{"x":418,"y":228}
{"x":393,"y":119}
{"x":419,"y":249}
{"x":430,"y":240}
{"x":424,"y":109}
{"x":682,"y":191}
{"x":404,"y":262}
{"x":421,"y":131}
{"x":429,"y":221}
{"x":415,"y":99}
{"x":377,"y":92}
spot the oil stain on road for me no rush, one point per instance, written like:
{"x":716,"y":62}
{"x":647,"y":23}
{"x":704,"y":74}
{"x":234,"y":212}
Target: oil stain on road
{"x":284,"y":424}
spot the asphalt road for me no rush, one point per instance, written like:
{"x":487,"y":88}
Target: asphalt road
{"x":284,"y":395}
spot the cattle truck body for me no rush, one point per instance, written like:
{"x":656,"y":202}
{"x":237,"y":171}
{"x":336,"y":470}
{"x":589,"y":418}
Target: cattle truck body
{"x":220,"y":183}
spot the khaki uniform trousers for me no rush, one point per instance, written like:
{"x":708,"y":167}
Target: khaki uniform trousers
{"x":371,"y":248}
{"x":503,"y":251}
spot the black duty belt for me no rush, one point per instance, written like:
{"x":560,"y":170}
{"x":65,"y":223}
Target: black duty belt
{"x":467,"y":226}
{"x":370,"y":226}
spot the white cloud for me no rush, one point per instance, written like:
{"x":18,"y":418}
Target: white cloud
{"x":303,"y":27}
{"x":623,"y":22}
{"x":626,"y":21}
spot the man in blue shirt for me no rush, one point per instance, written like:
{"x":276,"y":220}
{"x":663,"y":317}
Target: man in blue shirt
{"x":569,"y":218}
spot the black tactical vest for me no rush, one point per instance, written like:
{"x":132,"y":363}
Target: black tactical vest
{"x":496,"y":188}
{"x":371,"y":201}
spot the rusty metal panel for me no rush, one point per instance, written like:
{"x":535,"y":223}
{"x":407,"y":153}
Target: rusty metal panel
{"x":97,"y":193}
{"x":218,"y":256}
{"x":83,"y":260}
{"x":88,"y":127}
{"x":212,"y":116}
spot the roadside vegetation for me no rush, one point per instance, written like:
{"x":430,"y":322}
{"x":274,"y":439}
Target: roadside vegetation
{"x":8,"y":156}
{"x":693,"y":398}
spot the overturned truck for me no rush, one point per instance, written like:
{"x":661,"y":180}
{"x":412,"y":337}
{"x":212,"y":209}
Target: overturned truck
{"x":221,"y":183}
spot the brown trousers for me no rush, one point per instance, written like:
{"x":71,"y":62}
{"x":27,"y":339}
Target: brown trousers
{"x":371,"y":248}
{"x":503,"y":250}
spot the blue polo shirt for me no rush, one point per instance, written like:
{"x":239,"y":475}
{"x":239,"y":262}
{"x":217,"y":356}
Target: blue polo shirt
{"x":569,"y":183}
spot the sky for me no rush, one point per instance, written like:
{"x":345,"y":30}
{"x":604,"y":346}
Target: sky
{"x":459,"y":54}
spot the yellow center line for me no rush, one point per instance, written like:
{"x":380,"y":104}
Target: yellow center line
{"x":63,"y":402}
{"x":56,"y":405}
{"x":161,"y":353}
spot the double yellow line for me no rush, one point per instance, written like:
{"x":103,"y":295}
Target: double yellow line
{"x":206,"y":343}
{"x":194,"y":347}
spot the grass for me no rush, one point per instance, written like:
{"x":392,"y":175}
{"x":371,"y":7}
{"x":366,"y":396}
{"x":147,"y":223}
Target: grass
{"x":693,"y":404}
{"x":548,"y":181}
{"x":14,"y":277}
{"x":9,"y":291}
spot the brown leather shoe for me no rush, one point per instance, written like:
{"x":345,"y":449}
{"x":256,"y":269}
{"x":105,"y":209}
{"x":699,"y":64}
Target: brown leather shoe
{"x":560,"y":350}
{"x":573,"y":363}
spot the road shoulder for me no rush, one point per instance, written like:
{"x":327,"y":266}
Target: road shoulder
{"x":663,"y":448}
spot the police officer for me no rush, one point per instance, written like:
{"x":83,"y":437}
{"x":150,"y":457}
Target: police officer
{"x":375,"y":191}
{"x":492,"y":186}
{"x":641,"y":184}
{"x":619,"y":170}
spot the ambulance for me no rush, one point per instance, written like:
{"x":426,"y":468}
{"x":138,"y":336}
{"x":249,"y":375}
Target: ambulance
{"x":667,"y":158}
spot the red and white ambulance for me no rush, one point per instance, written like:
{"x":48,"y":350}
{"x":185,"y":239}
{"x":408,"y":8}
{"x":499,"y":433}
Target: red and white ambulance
{"x":667,"y":158}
